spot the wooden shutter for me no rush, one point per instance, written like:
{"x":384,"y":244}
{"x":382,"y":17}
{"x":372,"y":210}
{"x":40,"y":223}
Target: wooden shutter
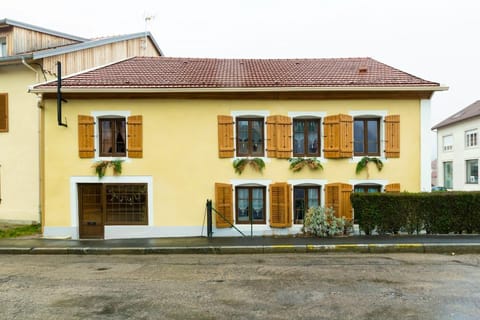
{"x":392,"y":136}
{"x":225,"y":136}
{"x":86,"y":137}
{"x":223,"y":204}
{"x":271,"y":137}
{"x":280,"y":205}
{"x":135,"y":136}
{"x":338,"y":130}
{"x":392,"y":187}
{"x":3,"y":112}
{"x":337,"y":196}
{"x":284,"y":137}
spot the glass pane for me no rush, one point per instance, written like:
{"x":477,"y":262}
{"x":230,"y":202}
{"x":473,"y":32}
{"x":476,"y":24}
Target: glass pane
{"x":313,"y":197}
{"x":257,"y":137}
{"x":242,"y":198}
{"x":472,"y":171}
{"x":358,"y":130}
{"x":447,"y":175}
{"x":257,"y":204}
{"x":242,"y":138}
{"x":120,"y":136}
{"x":313,"y":137}
{"x":106,"y":145}
{"x":299,"y":137}
{"x":372,"y":136}
{"x":299,"y":204}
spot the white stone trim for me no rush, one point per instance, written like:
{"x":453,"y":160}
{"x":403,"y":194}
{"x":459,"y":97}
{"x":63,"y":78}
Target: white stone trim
{"x":425,"y":146}
{"x":106,"y":113}
{"x":110,"y":179}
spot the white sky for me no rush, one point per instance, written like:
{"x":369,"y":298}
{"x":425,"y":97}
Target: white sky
{"x":434,"y":39}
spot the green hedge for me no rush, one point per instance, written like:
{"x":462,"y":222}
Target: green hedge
{"x":436,"y":212}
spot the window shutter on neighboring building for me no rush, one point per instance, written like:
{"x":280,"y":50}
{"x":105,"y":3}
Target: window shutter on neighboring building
{"x":337,"y":196}
{"x":224,"y":205}
{"x":392,"y":187}
{"x":3,"y":112}
{"x":392,"y":136}
{"x":280,"y":205}
{"x":86,"y":137}
{"x":338,"y":133}
{"x":135,"y":136}
{"x":225,"y":136}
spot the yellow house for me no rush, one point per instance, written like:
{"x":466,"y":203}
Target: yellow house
{"x":176,"y":127}
{"x":29,"y":55}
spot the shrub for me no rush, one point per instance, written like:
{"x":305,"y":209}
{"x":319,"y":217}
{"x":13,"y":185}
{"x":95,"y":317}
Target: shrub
{"x":321,"y":222}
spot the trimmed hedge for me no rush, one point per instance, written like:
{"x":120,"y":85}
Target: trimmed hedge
{"x":436,"y":212}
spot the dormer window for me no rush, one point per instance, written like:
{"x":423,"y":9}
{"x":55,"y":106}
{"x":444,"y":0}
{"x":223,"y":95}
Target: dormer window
{"x":3,"y":47}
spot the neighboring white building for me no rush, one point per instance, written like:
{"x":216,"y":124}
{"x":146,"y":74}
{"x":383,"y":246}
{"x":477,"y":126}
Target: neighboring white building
{"x":458,"y":149}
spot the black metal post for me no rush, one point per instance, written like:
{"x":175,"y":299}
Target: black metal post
{"x":59,"y":95}
{"x":209,"y":219}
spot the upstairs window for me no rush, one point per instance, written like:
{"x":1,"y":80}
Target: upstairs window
{"x":306,"y":137}
{"x":3,"y":47}
{"x":112,"y":137}
{"x":250,"y":137}
{"x":471,"y":138}
{"x":366,"y":132}
{"x":447,"y":143}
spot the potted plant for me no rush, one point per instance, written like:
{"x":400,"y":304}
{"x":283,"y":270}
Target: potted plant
{"x":363,"y":164}
{"x":256,"y":163}
{"x":297,"y":164}
{"x":101,"y":167}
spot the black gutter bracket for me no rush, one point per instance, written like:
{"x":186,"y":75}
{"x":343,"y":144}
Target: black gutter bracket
{"x":59,"y":95}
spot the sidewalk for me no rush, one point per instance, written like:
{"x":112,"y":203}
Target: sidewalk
{"x":446,"y":244}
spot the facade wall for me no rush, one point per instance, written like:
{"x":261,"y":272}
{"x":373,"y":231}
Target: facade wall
{"x":458,"y":154}
{"x":181,"y":165}
{"x":19,"y":148}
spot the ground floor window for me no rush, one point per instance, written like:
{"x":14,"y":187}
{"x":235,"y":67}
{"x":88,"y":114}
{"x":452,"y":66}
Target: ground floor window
{"x":367,"y":188}
{"x":305,"y":197}
{"x":250,"y":205}
{"x":448,"y":174}
{"x":472,"y":171}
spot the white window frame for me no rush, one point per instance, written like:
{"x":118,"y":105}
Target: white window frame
{"x":468,"y":134}
{"x":105,"y":114}
{"x":3,"y":47}
{"x":469,"y":178}
{"x":306,"y":183}
{"x":447,"y":147}
{"x":310,"y":115}
{"x":380,"y":114}
{"x":254,"y":114}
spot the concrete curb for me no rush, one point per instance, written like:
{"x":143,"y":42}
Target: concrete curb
{"x":441,"y":248}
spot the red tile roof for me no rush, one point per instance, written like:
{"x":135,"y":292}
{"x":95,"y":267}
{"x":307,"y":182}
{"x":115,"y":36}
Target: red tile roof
{"x":469,"y":112}
{"x":166,"y":72}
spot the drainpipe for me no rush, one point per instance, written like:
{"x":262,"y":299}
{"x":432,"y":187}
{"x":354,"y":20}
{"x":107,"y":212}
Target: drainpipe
{"x":31,"y":68}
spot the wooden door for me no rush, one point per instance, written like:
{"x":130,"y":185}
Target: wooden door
{"x":90,"y":210}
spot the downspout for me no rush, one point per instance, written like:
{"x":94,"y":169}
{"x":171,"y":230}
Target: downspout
{"x":31,"y":68}
{"x":59,"y":95}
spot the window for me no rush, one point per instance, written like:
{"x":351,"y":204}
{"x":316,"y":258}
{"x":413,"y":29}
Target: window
{"x":250,"y":205}
{"x":250,"y":139}
{"x":3,"y":112}
{"x":117,"y":136}
{"x":306,"y":137}
{"x":471,"y":138}
{"x":126,"y":204}
{"x":472,"y":171}
{"x":366,"y":137}
{"x":448,"y":174}
{"x":367,"y":188}
{"x":112,"y":137}
{"x":304,"y":199}
{"x":3,"y":47}
{"x":447,"y":143}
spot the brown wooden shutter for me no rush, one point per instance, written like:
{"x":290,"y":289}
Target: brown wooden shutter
{"x":3,"y":112}
{"x":337,"y":196}
{"x":284,"y":137}
{"x":86,"y":137}
{"x":392,"y":136}
{"x":392,"y":187}
{"x":338,"y":130}
{"x":223,"y":204}
{"x":225,"y":136}
{"x":280,"y":205}
{"x":271,"y":137}
{"x":135,"y":136}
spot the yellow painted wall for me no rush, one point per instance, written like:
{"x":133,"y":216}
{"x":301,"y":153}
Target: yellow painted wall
{"x":180,"y":151}
{"x":19,"y":171}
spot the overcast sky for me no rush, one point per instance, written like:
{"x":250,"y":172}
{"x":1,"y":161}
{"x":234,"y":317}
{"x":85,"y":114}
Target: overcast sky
{"x":434,"y":39}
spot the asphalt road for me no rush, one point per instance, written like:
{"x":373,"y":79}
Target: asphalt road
{"x":267,"y":286}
